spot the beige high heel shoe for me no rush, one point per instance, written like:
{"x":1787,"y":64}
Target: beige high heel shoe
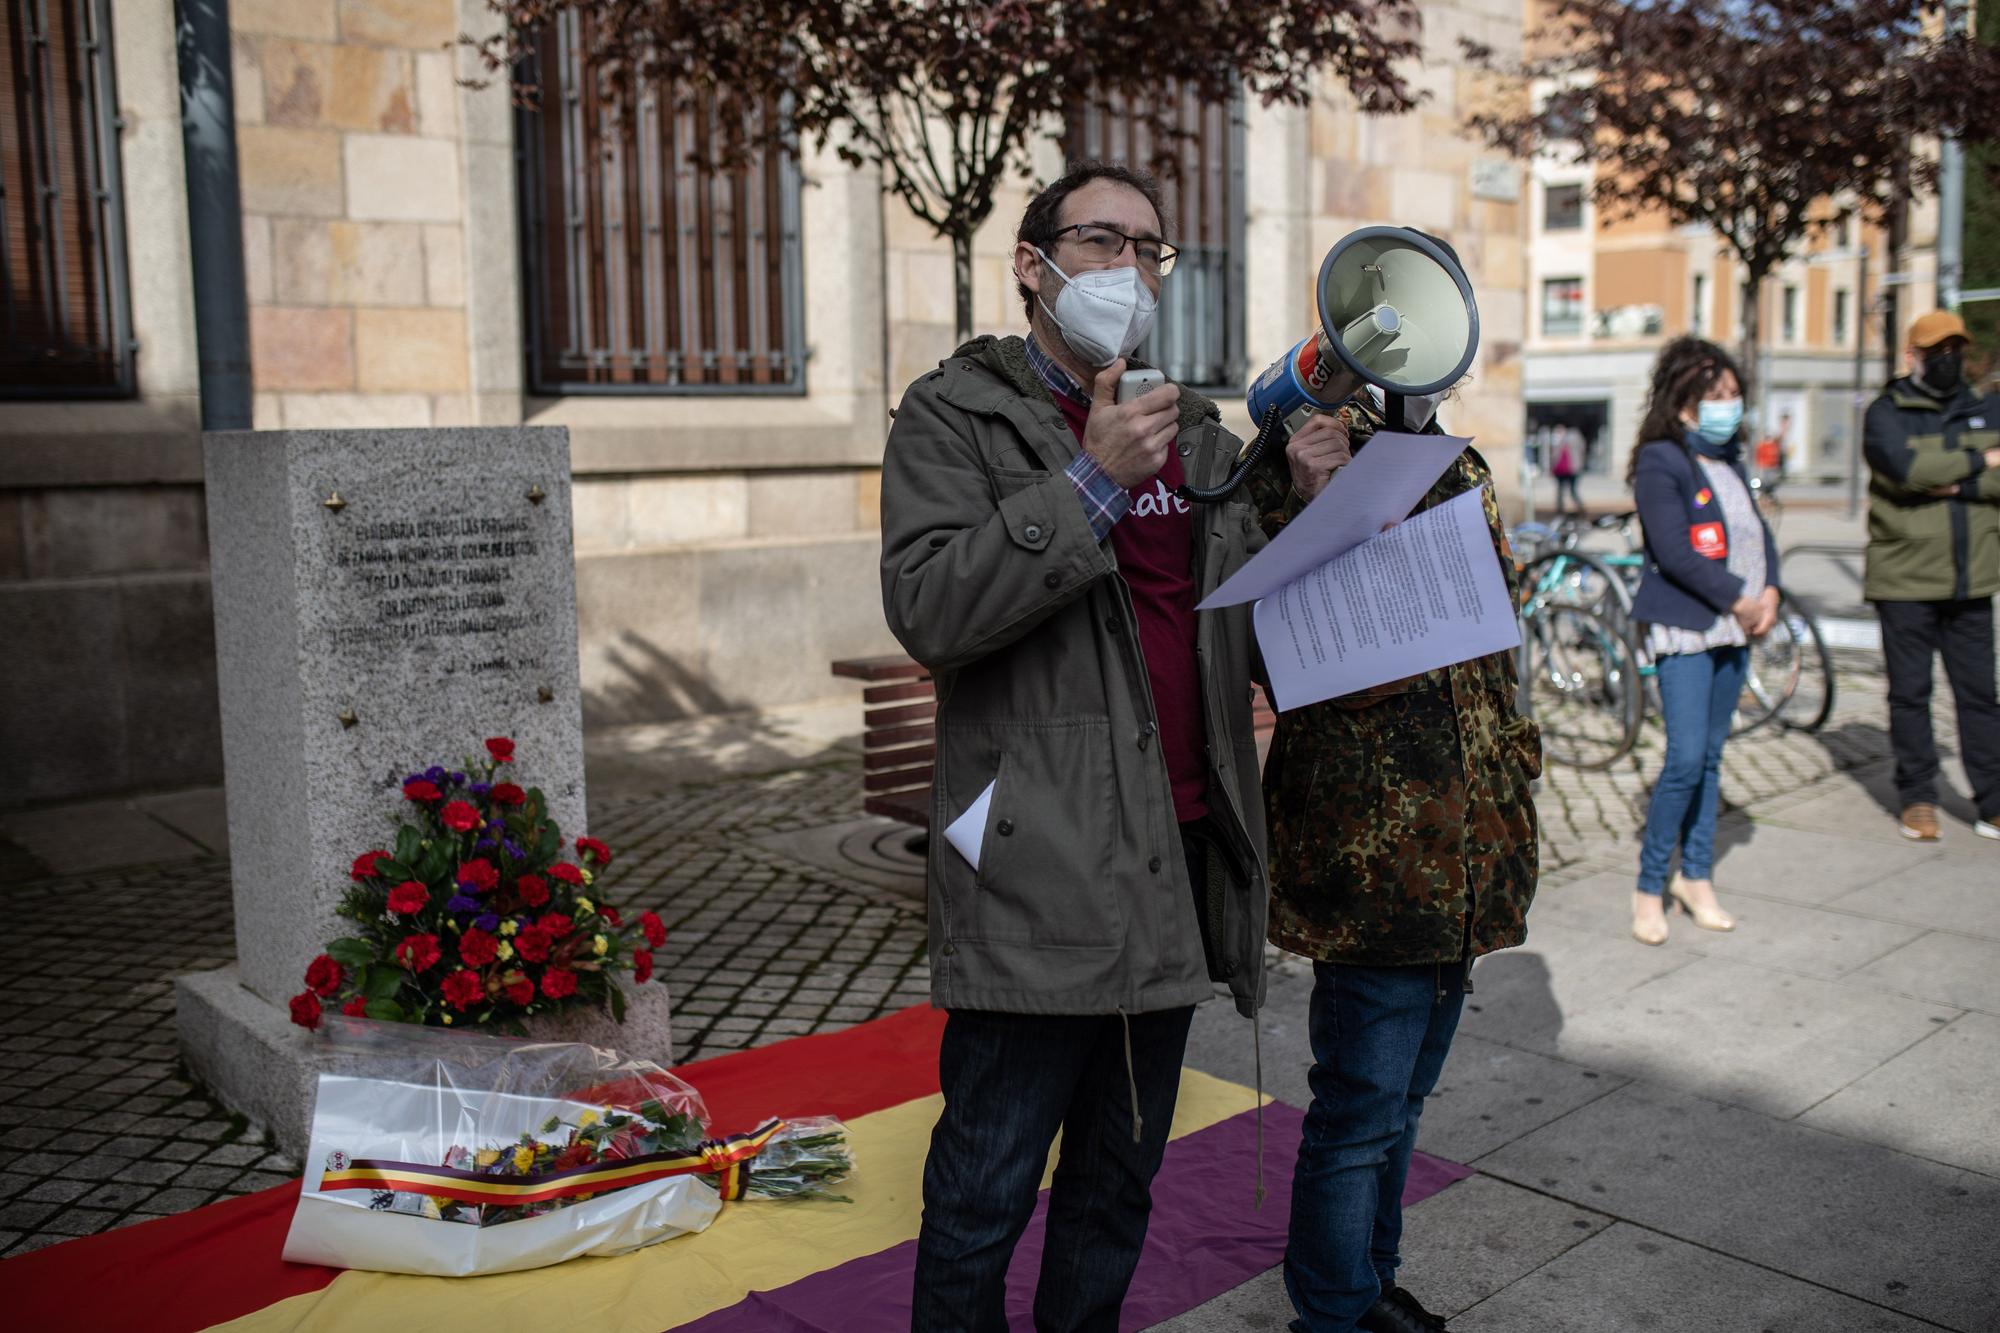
{"x":1708,"y":918}
{"x":1646,"y":927}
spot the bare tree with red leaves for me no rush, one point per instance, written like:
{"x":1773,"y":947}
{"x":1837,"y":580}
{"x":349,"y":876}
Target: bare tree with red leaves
{"x":1760,"y":118}
{"x":946,"y":97}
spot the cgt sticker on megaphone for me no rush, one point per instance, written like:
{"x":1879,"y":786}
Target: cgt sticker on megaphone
{"x":1297,"y":381}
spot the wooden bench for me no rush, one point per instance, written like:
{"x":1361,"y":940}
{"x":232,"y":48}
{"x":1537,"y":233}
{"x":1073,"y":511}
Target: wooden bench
{"x":899,"y":734}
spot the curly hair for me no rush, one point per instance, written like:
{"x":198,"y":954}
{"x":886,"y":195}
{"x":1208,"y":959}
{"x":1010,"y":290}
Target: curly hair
{"x":1688,"y":367}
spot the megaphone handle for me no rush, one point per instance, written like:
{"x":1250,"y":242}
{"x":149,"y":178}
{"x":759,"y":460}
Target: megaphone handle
{"x":1393,"y":408}
{"x":1270,"y":429}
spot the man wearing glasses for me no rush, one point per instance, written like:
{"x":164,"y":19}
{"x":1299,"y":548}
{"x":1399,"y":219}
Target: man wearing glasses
{"x":1035,"y":559}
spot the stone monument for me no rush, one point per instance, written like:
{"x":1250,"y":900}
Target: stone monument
{"x":384,"y":600}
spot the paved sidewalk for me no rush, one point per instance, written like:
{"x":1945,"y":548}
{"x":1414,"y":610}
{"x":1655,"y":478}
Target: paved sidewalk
{"x":1792,"y":1127}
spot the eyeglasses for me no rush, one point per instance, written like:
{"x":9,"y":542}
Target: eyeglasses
{"x":1103,"y":245}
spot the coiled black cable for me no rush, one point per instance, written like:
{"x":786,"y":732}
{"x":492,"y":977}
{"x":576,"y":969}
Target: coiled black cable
{"x":1269,"y":430}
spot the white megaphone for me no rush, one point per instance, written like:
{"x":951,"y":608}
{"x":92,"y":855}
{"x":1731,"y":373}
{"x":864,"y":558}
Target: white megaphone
{"x":1395,"y":311}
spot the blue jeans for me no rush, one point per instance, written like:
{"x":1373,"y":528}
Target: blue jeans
{"x":1697,"y":697}
{"x":1379,"y":1039}
{"x":1010,"y":1081}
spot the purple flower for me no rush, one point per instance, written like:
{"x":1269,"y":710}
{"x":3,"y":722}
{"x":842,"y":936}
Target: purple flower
{"x":434,"y":773}
{"x":514,"y":850}
{"x":482,"y":789}
{"x":461,"y":903}
{"x":458,"y":778}
{"x":483,"y":845}
{"x":488,"y":923}
{"x":413,"y":777}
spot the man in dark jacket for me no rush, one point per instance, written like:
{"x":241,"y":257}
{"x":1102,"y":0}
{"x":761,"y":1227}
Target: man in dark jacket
{"x":1933,"y":449}
{"x":1035,"y":559}
{"x":1403,"y":846}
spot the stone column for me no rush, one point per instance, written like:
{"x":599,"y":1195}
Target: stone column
{"x":384,"y":601}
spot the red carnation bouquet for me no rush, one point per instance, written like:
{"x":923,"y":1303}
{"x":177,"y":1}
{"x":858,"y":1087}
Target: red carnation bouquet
{"x":479,"y":914}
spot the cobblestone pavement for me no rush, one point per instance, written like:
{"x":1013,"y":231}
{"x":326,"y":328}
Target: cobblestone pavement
{"x":100,"y":1127}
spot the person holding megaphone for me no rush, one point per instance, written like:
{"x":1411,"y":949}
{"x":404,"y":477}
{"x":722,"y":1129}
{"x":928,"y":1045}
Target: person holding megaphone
{"x":1097,"y":857}
{"x":1403,"y":837}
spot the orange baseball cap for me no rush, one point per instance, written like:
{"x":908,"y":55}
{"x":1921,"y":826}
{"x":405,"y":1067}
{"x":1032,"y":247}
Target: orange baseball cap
{"x":1934,"y":328}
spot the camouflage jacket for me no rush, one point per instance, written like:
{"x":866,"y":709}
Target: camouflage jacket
{"x":1402,"y":825}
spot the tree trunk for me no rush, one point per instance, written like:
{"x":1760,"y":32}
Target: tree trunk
{"x":961,"y":281}
{"x":1748,"y":355}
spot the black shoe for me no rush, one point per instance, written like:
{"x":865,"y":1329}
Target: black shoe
{"x":1397,"y":1311}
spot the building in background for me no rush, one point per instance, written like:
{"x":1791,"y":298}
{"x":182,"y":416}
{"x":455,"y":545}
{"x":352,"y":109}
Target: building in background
{"x":1604,"y":295}
{"x":724,"y":347}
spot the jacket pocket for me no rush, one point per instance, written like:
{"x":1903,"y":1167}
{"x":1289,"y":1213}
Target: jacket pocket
{"x":1044,"y":875}
{"x":1521,"y":739}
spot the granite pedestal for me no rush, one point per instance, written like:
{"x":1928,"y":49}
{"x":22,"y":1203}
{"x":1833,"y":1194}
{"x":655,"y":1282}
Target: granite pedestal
{"x":384,"y":601}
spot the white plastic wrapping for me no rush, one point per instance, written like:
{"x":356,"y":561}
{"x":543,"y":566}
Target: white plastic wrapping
{"x":452,"y":1154}
{"x":369,"y":1118}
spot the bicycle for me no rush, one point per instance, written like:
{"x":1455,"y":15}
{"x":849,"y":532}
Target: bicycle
{"x":1579,"y":682}
{"x":1790,"y":676}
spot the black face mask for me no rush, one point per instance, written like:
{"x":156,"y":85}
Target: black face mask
{"x":1944,"y":370}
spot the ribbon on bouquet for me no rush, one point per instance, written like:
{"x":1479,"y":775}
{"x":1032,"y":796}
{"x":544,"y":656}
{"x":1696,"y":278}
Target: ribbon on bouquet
{"x":726,"y":1159}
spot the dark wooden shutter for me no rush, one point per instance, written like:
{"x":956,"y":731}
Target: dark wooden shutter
{"x":1198,"y":337}
{"x":67,"y":328}
{"x":654,"y":264}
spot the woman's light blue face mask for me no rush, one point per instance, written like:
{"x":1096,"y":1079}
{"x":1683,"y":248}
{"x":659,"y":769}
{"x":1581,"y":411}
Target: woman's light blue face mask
{"x":1717,"y":419}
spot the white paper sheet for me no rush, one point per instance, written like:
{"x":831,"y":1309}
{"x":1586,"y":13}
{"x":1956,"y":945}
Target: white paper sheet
{"x":968,"y":831}
{"x":1381,"y":485}
{"x":1427,"y":593}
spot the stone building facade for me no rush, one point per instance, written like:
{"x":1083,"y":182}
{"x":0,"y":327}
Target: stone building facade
{"x":398,"y":276}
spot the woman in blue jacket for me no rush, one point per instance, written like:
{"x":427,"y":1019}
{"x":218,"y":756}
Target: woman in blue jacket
{"x":1710,"y":588}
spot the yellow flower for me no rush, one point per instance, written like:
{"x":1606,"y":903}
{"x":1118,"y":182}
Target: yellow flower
{"x":486,"y":1157}
{"x":505,"y":952}
{"x":447,"y":1019}
{"x":599,"y":944}
{"x":587,"y":1119}
{"x":509,"y":926}
{"x":588,"y":878}
{"x":524,"y":1157}
{"x":584,"y":907}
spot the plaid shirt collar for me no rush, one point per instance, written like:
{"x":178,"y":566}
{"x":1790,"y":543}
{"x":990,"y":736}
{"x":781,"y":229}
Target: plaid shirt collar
{"x":1059,"y":380}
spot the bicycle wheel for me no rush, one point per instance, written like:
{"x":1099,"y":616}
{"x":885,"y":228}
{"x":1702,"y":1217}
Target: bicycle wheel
{"x":1775,"y":666}
{"x":1582,"y":687}
{"x":1578,"y":578}
{"x":1811,"y":702}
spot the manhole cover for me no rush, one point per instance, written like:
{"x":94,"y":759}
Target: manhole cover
{"x":871,"y":851}
{"x":898,"y":848}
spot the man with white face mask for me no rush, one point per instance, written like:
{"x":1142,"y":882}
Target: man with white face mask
{"x":1098,"y":731}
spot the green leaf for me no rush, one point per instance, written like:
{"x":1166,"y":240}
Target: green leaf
{"x":409,"y":844}
{"x":386,"y":1010}
{"x":382,"y":983}
{"x":550,"y":848}
{"x":616,"y":994}
{"x":393,"y":870}
{"x":351,"y":952}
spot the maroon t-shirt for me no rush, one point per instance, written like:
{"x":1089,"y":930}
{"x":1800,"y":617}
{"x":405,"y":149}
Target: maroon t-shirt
{"x":1154,"y":544}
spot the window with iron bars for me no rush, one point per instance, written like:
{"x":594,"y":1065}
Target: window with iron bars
{"x":656,"y":262}
{"x":1197,"y":337}
{"x":67,"y":329}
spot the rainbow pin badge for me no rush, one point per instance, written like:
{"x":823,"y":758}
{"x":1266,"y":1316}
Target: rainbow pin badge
{"x":1703,"y":496}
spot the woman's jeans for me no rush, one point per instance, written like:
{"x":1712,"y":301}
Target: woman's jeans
{"x":1379,"y":1039}
{"x":1698,"y":696}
